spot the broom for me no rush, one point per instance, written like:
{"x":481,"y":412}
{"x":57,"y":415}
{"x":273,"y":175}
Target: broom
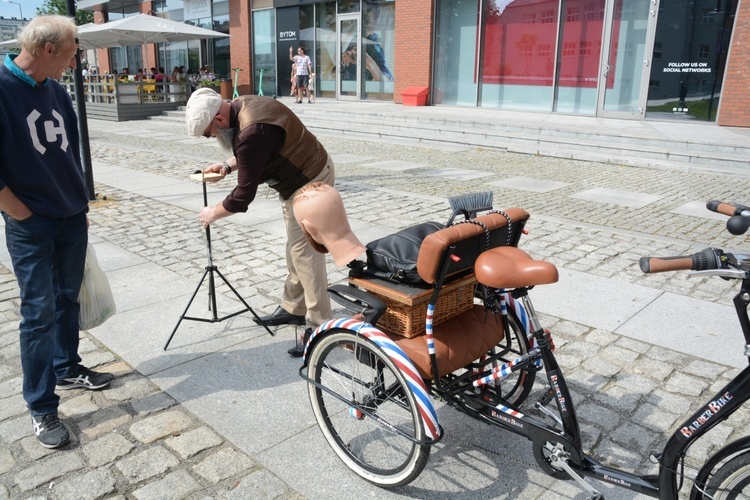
{"x":471,"y":203}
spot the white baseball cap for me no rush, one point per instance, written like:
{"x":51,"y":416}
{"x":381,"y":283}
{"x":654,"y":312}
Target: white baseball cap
{"x":200,"y":111}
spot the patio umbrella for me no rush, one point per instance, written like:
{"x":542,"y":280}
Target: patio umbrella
{"x":140,"y":30}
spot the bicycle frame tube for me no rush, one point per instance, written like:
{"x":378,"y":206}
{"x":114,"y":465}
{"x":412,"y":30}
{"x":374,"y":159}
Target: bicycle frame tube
{"x":718,"y":409}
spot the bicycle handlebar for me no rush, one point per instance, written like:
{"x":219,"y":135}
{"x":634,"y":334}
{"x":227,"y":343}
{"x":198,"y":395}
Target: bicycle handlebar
{"x":710,"y":258}
{"x":739,"y":215}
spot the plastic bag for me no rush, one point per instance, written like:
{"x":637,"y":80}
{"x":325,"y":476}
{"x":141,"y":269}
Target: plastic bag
{"x":96,"y":300}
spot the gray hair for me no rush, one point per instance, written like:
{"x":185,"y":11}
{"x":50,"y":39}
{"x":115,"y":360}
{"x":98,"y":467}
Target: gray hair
{"x":42,"y":30}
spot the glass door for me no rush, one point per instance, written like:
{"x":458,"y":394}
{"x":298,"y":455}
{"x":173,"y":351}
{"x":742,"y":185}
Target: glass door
{"x":626,"y":58}
{"x":348,"y":56}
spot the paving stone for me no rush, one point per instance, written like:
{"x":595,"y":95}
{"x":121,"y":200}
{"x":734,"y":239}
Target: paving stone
{"x":597,"y":414}
{"x":104,"y":421}
{"x":78,"y":406}
{"x":46,"y":470}
{"x":35,"y":451}
{"x":174,"y":485}
{"x":653,"y":417}
{"x":194,"y":442}
{"x":147,"y":464}
{"x":106,"y":449}
{"x":13,"y":429}
{"x":160,"y":425}
{"x":152,"y":403}
{"x":223,"y":464}
{"x":681,"y":383}
{"x":130,"y":388}
{"x":10,"y":387}
{"x":260,"y":484}
{"x":6,"y":460}
{"x":12,"y":406}
{"x":89,"y":486}
{"x":633,"y":436}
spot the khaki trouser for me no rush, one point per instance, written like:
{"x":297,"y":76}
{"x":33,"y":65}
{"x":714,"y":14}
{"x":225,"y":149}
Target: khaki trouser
{"x":306,"y":284}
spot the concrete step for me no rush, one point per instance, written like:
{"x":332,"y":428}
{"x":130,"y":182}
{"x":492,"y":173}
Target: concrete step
{"x":623,"y":146}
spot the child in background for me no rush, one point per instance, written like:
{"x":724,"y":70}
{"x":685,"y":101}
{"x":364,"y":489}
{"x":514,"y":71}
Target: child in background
{"x":311,"y":89}
{"x":294,"y":80}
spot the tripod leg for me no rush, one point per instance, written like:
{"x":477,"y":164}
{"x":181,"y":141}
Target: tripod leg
{"x":186,"y":308}
{"x":247,"y":306}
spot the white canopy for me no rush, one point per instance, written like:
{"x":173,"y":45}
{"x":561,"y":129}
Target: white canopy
{"x":140,"y":29}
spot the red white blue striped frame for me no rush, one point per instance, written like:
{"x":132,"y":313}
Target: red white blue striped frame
{"x":400,"y":359}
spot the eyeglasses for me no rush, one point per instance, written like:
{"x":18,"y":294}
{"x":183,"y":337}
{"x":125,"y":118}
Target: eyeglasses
{"x":207,"y":132}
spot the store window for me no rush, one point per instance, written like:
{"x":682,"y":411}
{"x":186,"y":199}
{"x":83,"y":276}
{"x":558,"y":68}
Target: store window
{"x":455,"y":70}
{"x":264,"y":52}
{"x":511,"y":76}
{"x":692,"y":41}
{"x":325,"y":53}
{"x":378,"y":37}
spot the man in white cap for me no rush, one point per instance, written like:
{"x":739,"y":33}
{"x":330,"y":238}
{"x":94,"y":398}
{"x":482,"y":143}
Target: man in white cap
{"x":269,"y":145}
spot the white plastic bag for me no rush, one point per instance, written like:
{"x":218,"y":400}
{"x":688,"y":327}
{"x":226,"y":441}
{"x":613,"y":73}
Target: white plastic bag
{"x":95,"y":298}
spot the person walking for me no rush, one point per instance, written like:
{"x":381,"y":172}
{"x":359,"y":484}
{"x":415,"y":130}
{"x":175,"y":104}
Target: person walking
{"x":44,"y":200}
{"x":269,"y":145}
{"x":304,"y":68}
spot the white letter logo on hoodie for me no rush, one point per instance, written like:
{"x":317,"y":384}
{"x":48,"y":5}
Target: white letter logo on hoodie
{"x":51,"y":131}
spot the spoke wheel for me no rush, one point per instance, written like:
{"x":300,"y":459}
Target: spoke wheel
{"x":516,"y":387}
{"x":732,"y":480}
{"x":371,"y":415}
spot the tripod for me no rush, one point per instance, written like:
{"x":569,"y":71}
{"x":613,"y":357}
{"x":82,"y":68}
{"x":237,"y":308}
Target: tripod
{"x":211,"y":269}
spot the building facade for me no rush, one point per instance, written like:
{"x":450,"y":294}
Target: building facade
{"x":9,"y":28}
{"x":632,"y":59}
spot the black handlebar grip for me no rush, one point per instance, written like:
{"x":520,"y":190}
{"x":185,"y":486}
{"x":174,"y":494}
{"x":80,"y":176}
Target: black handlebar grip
{"x":722,"y":208}
{"x":700,"y":261}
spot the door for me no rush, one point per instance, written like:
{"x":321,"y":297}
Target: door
{"x":348,"y":56}
{"x":626,"y":58}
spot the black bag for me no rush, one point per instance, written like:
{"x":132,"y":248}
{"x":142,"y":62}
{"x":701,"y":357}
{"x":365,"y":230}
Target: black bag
{"x":395,"y":256}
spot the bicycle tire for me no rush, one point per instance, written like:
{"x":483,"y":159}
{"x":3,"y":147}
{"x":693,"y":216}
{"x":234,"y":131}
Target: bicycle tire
{"x":358,"y":370}
{"x":517,"y":386}
{"x":731,"y":481}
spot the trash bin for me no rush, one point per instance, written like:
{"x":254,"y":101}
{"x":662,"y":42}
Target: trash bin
{"x":414,"y":96}
{"x":226,"y":89}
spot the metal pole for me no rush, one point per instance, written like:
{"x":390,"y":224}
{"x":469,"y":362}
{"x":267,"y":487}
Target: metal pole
{"x":83,"y":127}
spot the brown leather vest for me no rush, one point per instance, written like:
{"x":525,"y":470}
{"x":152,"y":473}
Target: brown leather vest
{"x":300,"y":159}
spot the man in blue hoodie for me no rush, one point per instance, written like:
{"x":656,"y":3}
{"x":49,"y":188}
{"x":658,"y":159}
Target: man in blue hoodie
{"x":44,"y":200}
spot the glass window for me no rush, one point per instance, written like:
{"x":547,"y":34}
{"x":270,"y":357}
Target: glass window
{"x":455,"y":58}
{"x":264,"y":51}
{"x":692,"y":41}
{"x":378,"y":45}
{"x":580,"y":42}
{"x":512,"y":76}
{"x":325,"y":49}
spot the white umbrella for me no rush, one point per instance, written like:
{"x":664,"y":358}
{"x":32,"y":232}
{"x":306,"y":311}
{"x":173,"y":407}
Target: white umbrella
{"x":139,"y":30}
{"x":13,"y":44}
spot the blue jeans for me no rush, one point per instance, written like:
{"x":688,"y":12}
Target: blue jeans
{"x":48,"y":257}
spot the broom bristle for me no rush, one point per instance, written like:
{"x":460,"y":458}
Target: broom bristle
{"x":471,"y":202}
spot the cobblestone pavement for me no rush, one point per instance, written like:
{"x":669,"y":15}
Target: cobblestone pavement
{"x":135,"y":441}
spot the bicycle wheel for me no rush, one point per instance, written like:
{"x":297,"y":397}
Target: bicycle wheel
{"x":516,"y":387}
{"x":372,"y":419}
{"x":731,"y":480}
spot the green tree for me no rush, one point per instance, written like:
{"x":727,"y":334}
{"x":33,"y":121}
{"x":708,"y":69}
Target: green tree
{"x":60,"y":7}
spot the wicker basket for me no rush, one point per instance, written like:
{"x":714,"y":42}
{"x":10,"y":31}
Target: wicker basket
{"x":409,"y":321}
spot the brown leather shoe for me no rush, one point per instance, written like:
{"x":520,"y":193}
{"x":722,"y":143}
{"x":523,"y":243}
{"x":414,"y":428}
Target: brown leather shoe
{"x":281,"y":317}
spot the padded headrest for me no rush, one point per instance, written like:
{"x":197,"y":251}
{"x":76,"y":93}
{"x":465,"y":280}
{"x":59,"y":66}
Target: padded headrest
{"x":470,"y":240}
